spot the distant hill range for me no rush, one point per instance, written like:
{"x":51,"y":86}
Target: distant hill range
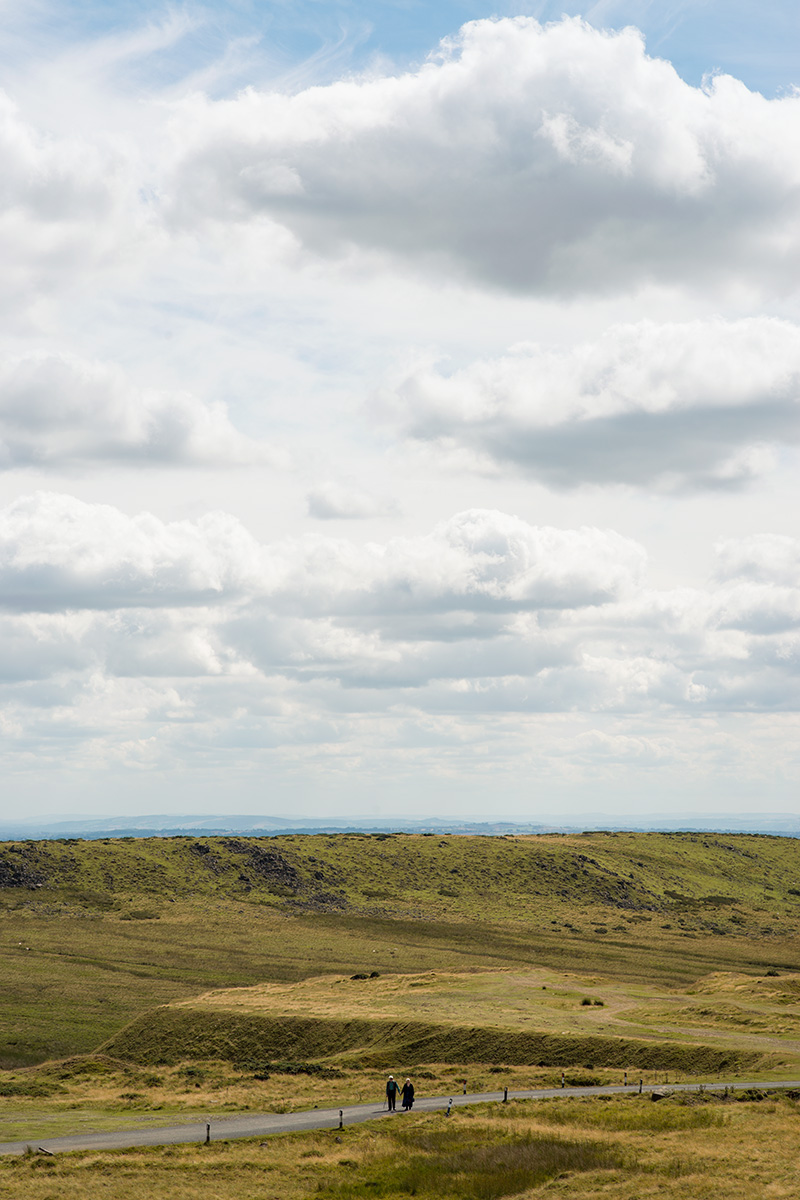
{"x":170,"y":825}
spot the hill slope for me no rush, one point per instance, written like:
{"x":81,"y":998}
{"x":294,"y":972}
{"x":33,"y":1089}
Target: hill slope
{"x":94,"y":933}
{"x":693,"y":876}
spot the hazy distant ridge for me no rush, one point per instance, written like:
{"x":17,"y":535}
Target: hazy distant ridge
{"x":166,"y":825}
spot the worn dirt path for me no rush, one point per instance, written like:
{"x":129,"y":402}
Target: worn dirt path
{"x":251,"y":1125}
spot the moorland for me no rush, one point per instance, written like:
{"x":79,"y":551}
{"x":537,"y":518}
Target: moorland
{"x":147,"y":977}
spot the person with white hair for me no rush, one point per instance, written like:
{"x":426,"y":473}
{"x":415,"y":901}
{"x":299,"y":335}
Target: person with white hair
{"x":407,"y":1092}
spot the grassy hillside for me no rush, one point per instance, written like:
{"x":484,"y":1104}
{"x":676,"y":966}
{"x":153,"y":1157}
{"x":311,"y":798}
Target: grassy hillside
{"x":173,"y":1035}
{"x":95,"y":933}
{"x":695,"y":878}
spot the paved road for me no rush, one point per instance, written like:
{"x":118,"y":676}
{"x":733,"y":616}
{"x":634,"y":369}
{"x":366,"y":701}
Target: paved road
{"x":254,"y":1125}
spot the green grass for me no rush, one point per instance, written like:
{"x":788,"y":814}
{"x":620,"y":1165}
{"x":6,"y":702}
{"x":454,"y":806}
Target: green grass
{"x":95,"y":933}
{"x":694,"y":879}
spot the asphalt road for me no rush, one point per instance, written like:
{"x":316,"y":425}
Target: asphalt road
{"x":253,"y":1125}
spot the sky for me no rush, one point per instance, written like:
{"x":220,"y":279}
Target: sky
{"x":399,"y":409}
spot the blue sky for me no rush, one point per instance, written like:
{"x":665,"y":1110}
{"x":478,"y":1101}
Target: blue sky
{"x":388,"y":421}
{"x":756,"y":43}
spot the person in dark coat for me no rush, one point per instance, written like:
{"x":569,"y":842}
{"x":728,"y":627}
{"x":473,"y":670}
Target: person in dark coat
{"x":391,"y":1092}
{"x":407,"y":1093}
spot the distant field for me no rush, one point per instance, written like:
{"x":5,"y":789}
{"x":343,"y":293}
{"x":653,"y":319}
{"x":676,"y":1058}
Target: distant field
{"x":94,"y":934}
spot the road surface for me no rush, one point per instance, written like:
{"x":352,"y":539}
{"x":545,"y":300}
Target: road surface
{"x":252,"y":1125}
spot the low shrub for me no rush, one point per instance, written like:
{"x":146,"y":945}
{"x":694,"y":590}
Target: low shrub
{"x":32,"y":1088}
{"x":298,"y":1068}
{"x":73,"y":1068}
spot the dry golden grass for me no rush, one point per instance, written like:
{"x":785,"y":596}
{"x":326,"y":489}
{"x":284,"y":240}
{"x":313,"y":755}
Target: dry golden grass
{"x":621,"y":1148}
{"x":103,"y":1093}
{"x":742,"y":1012}
{"x":121,"y":1096}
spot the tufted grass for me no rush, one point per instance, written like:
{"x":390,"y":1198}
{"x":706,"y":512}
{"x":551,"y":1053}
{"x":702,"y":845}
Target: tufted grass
{"x":488,"y":1151}
{"x":478,"y":1162}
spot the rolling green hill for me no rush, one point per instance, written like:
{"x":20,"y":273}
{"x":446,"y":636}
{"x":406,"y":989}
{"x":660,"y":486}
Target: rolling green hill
{"x":96,"y":933}
{"x":693,"y":876}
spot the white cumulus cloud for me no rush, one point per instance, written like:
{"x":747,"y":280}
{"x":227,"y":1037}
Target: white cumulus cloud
{"x":702,"y":404}
{"x":551,"y":158}
{"x":57,"y":552}
{"x":134,"y":636}
{"x":58,"y":409}
{"x":478,"y":560}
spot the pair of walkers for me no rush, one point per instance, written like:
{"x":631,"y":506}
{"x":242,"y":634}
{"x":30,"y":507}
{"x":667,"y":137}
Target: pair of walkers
{"x":406,"y":1091}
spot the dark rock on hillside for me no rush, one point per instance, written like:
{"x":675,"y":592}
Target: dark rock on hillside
{"x":269,"y":865}
{"x":208,"y":859}
{"x":18,"y":873}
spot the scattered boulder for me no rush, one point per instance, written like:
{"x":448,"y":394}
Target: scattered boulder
{"x":268,"y":865}
{"x":17,"y":873}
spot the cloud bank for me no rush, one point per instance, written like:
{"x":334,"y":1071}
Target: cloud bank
{"x":670,"y":407}
{"x":484,"y":612}
{"x":554,"y":159}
